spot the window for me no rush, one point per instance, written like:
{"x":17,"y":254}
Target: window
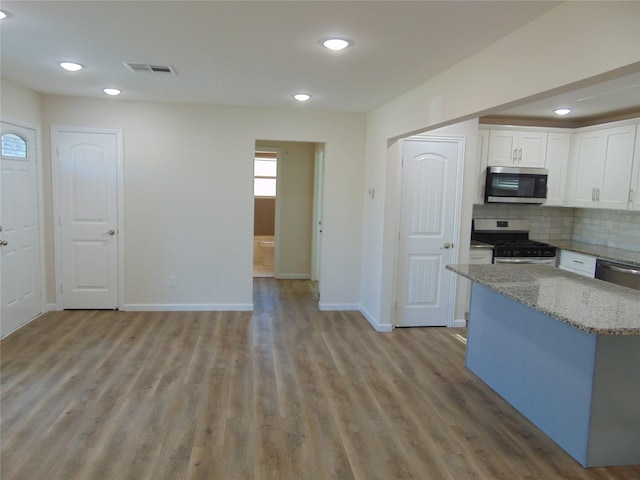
{"x":265,"y":168}
{"x":14,"y":146}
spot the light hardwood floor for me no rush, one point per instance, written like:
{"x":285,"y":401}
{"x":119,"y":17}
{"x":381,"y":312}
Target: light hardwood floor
{"x":286,"y":392}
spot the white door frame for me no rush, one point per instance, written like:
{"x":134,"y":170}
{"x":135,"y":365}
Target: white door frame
{"x":56,"y":130}
{"x":318,"y":198}
{"x":39,"y":204}
{"x":397,"y":199}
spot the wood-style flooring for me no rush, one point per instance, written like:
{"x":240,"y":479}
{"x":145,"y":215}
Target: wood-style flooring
{"x":286,"y":392}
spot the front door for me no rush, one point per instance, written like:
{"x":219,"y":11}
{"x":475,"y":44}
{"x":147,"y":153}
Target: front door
{"x":87,"y":166}
{"x":20,"y":282}
{"x":428,"y":231}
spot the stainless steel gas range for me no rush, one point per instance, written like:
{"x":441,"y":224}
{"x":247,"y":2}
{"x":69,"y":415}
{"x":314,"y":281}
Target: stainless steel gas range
{"x":510,"y":238}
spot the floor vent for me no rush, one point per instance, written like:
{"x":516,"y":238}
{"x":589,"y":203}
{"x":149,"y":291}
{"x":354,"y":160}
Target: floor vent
{"x":148,"y":68}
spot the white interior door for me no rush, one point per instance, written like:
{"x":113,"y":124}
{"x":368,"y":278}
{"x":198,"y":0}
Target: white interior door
{"x":20,"y":281}
{"x":87,"y":166}
{"x":429,"y":227}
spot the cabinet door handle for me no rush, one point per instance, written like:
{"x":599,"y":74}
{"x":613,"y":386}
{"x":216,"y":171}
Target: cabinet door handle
{"x":593,"y":194}
{"x":597,"y":194}
{"x":519,"y":154}
{"x":630,"y":195}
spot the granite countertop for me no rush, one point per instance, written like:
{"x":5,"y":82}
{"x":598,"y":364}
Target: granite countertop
{"x":591,"y":305}
{"x":600,"y":251}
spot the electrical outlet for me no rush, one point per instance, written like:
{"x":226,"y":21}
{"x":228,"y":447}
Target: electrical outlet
{"x":172,"y":281}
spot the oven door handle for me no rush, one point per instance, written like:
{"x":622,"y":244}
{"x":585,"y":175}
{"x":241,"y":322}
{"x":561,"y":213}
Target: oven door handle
{"x":514,"y":260}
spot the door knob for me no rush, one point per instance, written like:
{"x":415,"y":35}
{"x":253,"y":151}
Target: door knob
{"x":3,"y":243}
{"x":111,"y":233}
{"x":446,"y":246}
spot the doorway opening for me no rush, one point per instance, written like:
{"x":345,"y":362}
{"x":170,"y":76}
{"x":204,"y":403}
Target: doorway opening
{"x":265,"y":176}
{"x":287,"y":209}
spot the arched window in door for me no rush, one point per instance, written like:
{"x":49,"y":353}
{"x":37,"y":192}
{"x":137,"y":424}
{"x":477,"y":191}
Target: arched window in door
{"x":14,"y":146}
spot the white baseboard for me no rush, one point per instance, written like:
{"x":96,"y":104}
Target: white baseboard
{"x":328,"y":307}
{"x":188,"y":307}
{"x":459,"y":323}
{"x":293,"y":276}
{"x":51,"y":307}
{"x":379,"y":327}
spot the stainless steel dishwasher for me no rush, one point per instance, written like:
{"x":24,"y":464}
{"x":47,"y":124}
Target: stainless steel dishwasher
{"x":618,"y":273}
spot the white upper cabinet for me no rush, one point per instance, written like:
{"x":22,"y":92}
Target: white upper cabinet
{"x":509,"y":148}
{"x":483,"y":155}
{"x":587,"y":168}
{"x":601,"y":168}
{"x":558,"y":146}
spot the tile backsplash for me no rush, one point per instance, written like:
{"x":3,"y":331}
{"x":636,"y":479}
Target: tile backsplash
{"x":611,"y":228}
{"x":547,"y":223}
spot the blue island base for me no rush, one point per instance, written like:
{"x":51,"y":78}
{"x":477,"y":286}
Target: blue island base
{"x":581,"y":389}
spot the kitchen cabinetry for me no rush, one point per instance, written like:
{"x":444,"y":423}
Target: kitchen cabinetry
{"x":601,"y":168}
{"x":558,"y":146}
{"x":509,"y":148}
{"x":483,"y":155}
{"x":481,"y":256}
{"x":579,"y":263}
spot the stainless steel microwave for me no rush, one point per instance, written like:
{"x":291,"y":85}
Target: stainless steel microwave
{"x":516,"y":185}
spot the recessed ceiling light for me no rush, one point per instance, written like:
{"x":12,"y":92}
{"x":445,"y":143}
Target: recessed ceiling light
{"x":562,"y":111}
{"x":336,"y":44}
{"x":111,"y":91}
{"x":2,"y":15}
{"x":71,"y":66}
{"x":302,"y":97}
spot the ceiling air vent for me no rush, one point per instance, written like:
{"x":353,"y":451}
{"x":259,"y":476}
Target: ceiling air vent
{"x":148,"y":68}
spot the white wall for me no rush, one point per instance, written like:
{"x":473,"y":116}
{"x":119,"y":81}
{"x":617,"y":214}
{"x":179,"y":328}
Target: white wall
{"x":570,"y":43}
{"x":469,"y":131}
{"x":188,"y":195}
{"x":19,"y":104}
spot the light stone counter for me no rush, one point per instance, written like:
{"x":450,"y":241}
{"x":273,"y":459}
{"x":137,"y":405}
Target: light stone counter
{"x":591,"y":305}
{"x":600,"y":251}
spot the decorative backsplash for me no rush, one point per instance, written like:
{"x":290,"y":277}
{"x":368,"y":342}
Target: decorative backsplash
{"x":611,"y":228}
{"x":547,"y":223}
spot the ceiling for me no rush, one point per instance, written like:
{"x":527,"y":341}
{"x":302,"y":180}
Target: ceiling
{"x":606,"y":100}
{"x":259,"y":53}
{"x":249,"y":53}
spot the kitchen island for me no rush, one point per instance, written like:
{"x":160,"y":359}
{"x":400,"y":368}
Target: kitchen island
{"x":564,"y":350}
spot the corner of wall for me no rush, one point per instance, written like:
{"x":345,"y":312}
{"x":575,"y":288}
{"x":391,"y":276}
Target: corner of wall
{"x":378,"y":327}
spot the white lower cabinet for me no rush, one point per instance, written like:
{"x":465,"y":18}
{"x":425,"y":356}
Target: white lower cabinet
{"x":579,"y":263}
{"x":479,"y":256}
